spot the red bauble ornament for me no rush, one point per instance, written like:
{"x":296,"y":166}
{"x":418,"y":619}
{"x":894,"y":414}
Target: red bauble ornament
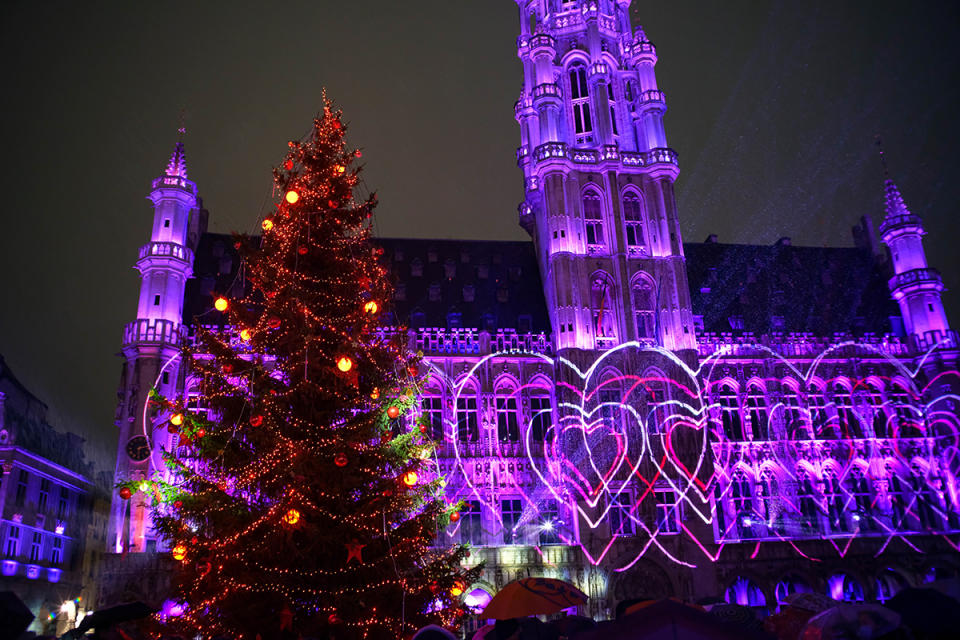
{"x":237,"y":245}
{"x":200,"y":433}
{"x":340,"y":460}
{"x":204,"y":567}
{"x":387,"y":493}
{"x":332,"y":204}
{"x":333,"y":618}
{"x":302,"y":250}
{"x":385,"y":438}
{"x":172,"y":428}
{"x":125,"y":493}
{"x":256,"y":420}
{"x":194,"y":540}
{"x":288,"y":165}
{"x":228,"y":368}
{"x":454,"y":516}
{"x":423,"y":428}
{"x":412,"y":370}
{"x":177,"y":504}
{"x":336,"y":125}
{"x":357,"y":153}
{"x":393,"y":412}
{"x":273,"y":322}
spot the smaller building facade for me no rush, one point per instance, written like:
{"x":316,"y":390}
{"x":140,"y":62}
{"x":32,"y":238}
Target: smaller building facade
{"x":45,"y":510}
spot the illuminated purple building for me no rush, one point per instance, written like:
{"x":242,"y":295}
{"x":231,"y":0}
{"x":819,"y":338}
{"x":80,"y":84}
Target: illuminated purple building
{"x":632,"y":413}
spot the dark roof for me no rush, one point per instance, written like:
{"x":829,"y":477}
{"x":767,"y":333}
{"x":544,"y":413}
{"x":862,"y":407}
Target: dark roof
{"x":790,"y":289}
{"x":496,"y":284}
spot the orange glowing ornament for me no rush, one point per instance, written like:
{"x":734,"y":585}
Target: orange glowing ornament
{"x":410,"y":478}
{"x":458,"y":588}
{"x":176,"y":419}
{"x":267,"y":224}
{"x":341,"y":168}
{"x":375,"y":393}
{"x":344,"y":364}
{"x":291,"y":517}
{"x":245,"y":335}
{"x":292,"y":196}
{"x":371,"y":307}
{"x":221,"y":304}
{"x":393,"y":412}
{"x":179,"y":552}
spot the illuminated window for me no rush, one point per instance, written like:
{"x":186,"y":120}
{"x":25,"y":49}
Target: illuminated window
{"x":511,"y":512}
{"x":619,"y":516}
{"x":730,"y":413}
{"x":541,"y":418}
{"x":35,"y":545}
{"x":604,"y":314}
{"x":471,"y":528}
{"x":431,"y":408}
{"x":644,"y":308}
{"x":613,"y":109}
{"x":21,"y":487}
{"x":12,"y":548}
{"x":580,"y":99}
{"x":668,"y":511}
{"x":56,"y":553}
{"x":468,"y":425}
{"x":757,"y":410}
{"x":609,"y":401}
{"x":633,"y":219}
{"x":593,"y":218}
{"x":549,"y":523}
{"x":44,"y":496}
{"x":508,"y":429}
{"x":745,"y":593}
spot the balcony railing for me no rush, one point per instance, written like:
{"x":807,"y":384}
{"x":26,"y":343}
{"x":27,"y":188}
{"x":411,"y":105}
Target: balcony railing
{"x":156,"y":332}
{"x":167,"y":249}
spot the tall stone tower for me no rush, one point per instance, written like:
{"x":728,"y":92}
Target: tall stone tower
{"x":599,"y":178}
{"x":915,"y":286}
{"x":151,"y":344}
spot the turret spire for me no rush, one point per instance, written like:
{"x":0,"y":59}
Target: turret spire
{"x":177,"y":166}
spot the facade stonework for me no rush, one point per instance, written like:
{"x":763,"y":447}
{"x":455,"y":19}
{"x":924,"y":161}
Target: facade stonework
{"x":640,"y":416}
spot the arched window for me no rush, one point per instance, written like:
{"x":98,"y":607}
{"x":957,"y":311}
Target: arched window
{"x":655,"y":394}
{"x":633,"y":219}
{"x":790,"y":585}
{"x":730,"y":413}
{"x":580,"y":99}
{"x":468,"y":419}
{"x":861,"y":499}
{"x":843,"y":587}
{"x":846,"y":418}
{"x":836,"y":503}
{"x":757,"y":409}
{"x":927,"y":501}
{"x":909,"y":419}
{"x":807,"y":503}
{"x":889,"y":583}
{"x":609,"y":398}
{"x":746,"y":593}
{"x":816,"y":403}
{"x":793,"y":418}
{"x":431,"y":410}
{"x":872,"y":403}
{"x":593,"y":218}
{"x":645,"y":308}
{"x":508,"y":425}
{"x":741,"y":497}
{"x":769,"y":494}
{"x":541,"y":417}
{"x":604,"y":313}
{"x":613,"y":109}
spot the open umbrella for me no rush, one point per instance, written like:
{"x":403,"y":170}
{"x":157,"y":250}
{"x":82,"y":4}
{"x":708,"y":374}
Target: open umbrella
{"x":114,"y":615}
{"x":15,"y":615}
{"x":865,"y":621}
{"x":670,"y":619}
{"x":927,"y":611}
{"x":532,"y":597}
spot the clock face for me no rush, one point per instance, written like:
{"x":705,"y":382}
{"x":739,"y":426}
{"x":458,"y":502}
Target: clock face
{"x":138,"y":448}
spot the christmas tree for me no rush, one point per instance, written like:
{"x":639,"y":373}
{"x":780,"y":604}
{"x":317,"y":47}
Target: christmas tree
{"x":303,"y":498}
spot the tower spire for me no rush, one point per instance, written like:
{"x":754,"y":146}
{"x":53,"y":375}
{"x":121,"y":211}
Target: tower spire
{"x":177,"y":166}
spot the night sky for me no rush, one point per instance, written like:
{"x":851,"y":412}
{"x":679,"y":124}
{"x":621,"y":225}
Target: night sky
{"x":773,"y":108}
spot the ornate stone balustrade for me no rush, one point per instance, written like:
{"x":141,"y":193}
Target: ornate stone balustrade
{"x":794,"y":344}
{"x":916,"y":277}
{"x":167,"y":249}
{"x":652,"y":96}
{"x":174,"y":181}
{"x":156,"y":332}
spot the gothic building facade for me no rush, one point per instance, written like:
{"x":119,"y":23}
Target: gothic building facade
{"x":618,"y":408}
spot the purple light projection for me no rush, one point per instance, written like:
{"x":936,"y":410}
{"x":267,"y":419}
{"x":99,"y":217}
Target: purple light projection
{"x":826,"y":457}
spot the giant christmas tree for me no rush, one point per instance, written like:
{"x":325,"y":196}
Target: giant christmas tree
{"x":301,"y":498}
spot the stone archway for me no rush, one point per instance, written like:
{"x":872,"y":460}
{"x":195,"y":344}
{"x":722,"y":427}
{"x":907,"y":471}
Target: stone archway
{"x":645,"y":579}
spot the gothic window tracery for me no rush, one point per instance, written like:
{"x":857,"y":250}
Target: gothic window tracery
{"x":580,"y":99}
{"x":730,"y":412}
{"x":757,"y":409}
{"x":644,"y":308}
{"x":613,"y":109}
{"x":633,"y":219}
{"x":508,"y":428}
{"x":593,"y":218}
{"x":861,"y":499}
{"x":795,"y":425}
{"x":807,"y":502}
{"x":621,"y":523}
{"x":846,"y":419}
{"x":604,"y":313}
{"x":816,"y":403}
{"x":836,"y":502}
{"x":468,"y":419}
{"x":541,"y":418}
{"x":431,"y":409}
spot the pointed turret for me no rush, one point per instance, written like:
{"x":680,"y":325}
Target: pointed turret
{"x":915,"y":286}
{"x":151,"y":344}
